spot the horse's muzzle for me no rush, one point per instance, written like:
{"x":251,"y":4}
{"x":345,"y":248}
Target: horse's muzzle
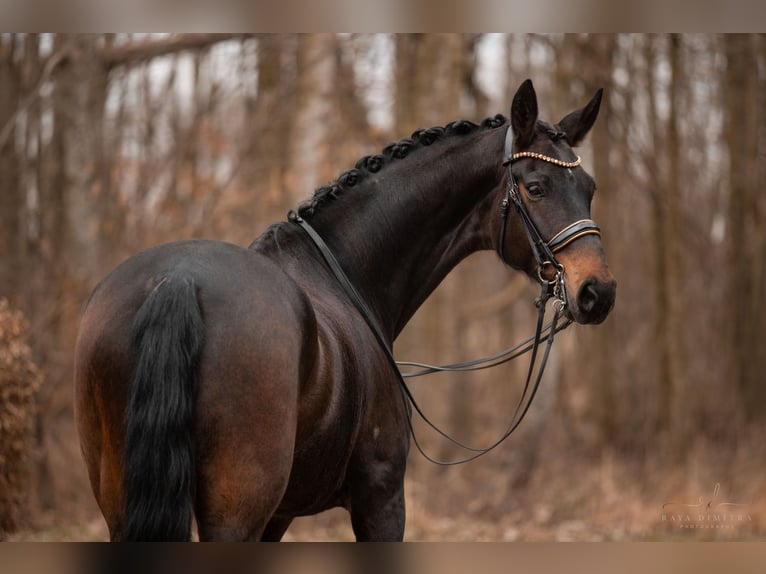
{"x":595,"y":299}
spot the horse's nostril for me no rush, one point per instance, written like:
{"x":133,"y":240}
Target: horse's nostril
{"x":588,"y":296}
{"x":595,"y":300}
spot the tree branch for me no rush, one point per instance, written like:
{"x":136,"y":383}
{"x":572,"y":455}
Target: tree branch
{"x":137,"y":52}
{"x":50,"y":65}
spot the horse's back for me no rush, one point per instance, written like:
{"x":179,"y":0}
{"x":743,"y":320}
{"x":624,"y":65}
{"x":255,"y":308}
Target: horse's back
{"x":256,"y":321}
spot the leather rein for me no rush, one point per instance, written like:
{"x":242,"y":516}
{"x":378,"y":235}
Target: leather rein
{"x":545,"y":255}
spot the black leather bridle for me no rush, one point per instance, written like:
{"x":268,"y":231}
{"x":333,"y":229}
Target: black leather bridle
{"x":544,"y":251}
{"x":545,"y":255}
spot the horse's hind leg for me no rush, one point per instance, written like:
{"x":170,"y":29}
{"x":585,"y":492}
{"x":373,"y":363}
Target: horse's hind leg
{"x":245,"y":443}
{"x":242,"y":524}
{"x":243,"y":470}
{"x":96,"y":410}
{"x":236,"y":500}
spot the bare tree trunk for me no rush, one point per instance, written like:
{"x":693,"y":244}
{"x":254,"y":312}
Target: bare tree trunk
{"x":429,"y":79}
{"x":269,"y":117}
{"x":744,"y":222}
{"x":758,"y":241}
{"x":602,"y":48}
{"x":11,"y":197}
{"x":674,"y":410}
{"x":315,"y":113}
{"x":661,"y":331}
{"x":674,"y":261}
{"x":79,"y":105}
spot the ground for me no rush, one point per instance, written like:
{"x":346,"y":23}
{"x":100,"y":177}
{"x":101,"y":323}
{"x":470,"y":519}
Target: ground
{"x":599,"y":501}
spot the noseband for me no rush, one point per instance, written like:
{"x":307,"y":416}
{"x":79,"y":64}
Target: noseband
{"x":543,"y":251}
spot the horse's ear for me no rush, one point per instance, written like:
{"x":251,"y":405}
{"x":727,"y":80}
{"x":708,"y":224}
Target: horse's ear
{"x":578,"y":123}
{"x":524,"y":114}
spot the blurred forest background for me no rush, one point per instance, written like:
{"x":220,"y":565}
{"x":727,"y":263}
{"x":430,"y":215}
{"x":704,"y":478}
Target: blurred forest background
{"x":112,"y":143}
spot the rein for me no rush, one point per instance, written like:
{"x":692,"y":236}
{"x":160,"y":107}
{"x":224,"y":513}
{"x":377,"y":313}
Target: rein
{"x":544,"y":253}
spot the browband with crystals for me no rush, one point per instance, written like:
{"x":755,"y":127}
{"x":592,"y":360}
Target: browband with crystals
{"x":552,"y":160}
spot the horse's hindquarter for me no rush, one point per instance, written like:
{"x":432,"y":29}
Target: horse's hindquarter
{"x":259,"y":343}
{"x":291,"y":383}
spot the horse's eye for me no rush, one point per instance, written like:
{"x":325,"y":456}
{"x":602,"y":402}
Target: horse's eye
{"x":535,"y":190}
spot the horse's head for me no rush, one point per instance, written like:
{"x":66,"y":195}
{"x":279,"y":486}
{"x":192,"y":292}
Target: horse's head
{"x":556,"y":193}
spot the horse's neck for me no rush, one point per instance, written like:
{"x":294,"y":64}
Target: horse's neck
{"x":416,"y":220}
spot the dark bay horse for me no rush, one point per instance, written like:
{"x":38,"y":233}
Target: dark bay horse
{"x":241,"y":388}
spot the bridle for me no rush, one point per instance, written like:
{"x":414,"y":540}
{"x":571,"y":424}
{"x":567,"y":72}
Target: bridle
{"x":545,"y":255}
{"x":543,"y":251}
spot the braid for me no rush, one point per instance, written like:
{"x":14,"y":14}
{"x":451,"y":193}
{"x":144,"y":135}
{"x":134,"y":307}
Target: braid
{"x":370,"y":164}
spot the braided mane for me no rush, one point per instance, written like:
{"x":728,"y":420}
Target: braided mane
{"x":394,"y":151}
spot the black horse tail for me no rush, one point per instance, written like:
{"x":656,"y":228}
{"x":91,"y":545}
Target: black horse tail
{"x":159,"y":468}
